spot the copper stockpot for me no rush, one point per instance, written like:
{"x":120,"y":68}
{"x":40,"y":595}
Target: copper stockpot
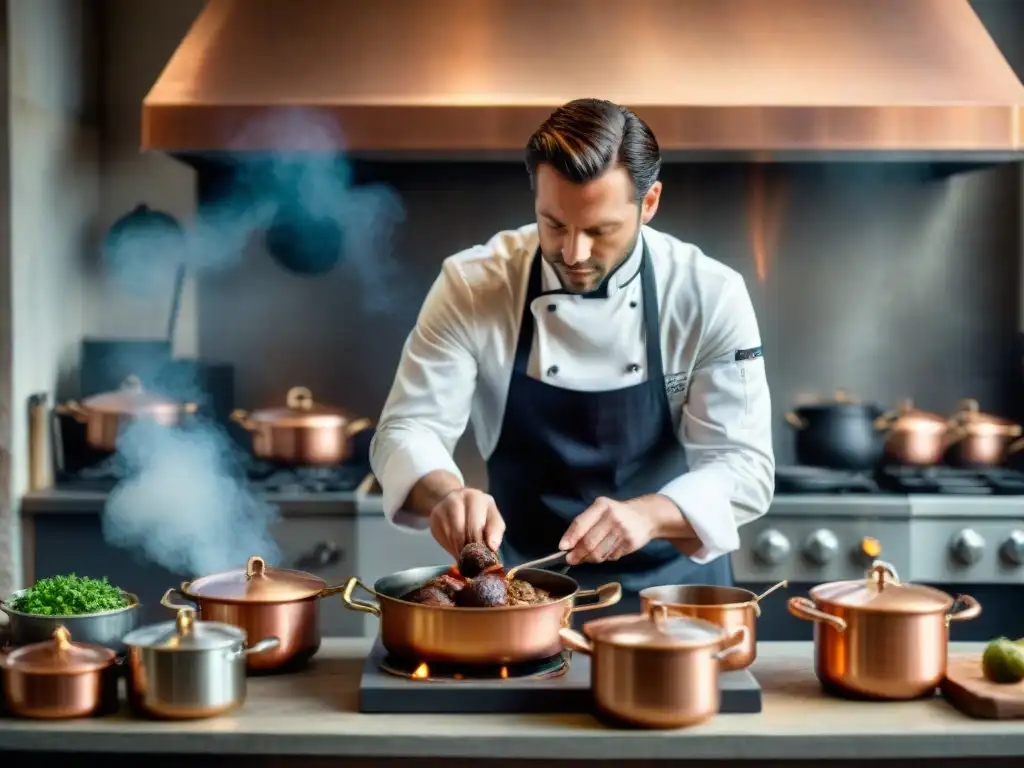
{"x":105,"y":415}
{"x":879,"y":638}
{"x":980,"y":439}
{"x":505,"y":635}
{"x":303,"y":433}
{"x":265,"y":602}
{"x":913,"y":437}
{"x":654,"y":670}
{"x":726,"y":607}
{"x":58,"y":678}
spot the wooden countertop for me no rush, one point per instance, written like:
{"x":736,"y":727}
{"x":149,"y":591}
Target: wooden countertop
{"x":316,"y":713}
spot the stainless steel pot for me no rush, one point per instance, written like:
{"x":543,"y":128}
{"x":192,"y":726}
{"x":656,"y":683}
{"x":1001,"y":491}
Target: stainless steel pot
{"x":106,"y":628}
{"x":189,"y":669}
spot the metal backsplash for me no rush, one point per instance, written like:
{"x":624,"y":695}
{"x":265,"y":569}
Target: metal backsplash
{"x":874,"y":279}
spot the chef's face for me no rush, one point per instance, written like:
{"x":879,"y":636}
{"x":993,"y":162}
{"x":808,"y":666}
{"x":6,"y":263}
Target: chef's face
{"x":586,"y":230}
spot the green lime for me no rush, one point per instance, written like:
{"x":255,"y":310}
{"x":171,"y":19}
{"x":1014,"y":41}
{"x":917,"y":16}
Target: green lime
{"x":1003,"y":661}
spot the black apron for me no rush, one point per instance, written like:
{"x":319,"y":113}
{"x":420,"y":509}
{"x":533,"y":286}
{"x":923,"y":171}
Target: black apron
{"x":560,"y":449}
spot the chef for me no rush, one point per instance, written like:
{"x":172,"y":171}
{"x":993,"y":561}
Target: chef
{"x":613,"y":376}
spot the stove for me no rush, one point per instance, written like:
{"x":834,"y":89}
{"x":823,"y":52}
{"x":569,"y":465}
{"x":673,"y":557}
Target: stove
{"x":262,"y":477}
{"x":561,"y":683}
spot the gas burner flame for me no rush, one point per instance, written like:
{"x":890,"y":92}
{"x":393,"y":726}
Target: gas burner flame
{"x":422,"y":672}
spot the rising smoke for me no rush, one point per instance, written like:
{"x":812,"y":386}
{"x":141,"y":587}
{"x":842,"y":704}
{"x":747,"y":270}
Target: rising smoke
{"x":184,"y":502}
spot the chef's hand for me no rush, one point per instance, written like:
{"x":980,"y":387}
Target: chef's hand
{"x":465,"y":516}
{"x":607,"y":530}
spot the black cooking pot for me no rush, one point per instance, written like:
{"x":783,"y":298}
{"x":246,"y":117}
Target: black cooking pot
{"x":303,"y":243}
{"x":841,"y":434}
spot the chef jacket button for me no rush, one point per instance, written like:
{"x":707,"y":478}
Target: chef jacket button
{"x":551,"y":307}
{"x":553,"y":370}
{"x":633,"y":368}
{"x":632,"y":305}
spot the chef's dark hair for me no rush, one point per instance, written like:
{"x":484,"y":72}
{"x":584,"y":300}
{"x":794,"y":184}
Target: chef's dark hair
{"x":584,"y":138}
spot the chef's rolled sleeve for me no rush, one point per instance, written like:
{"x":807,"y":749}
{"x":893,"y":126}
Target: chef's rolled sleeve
{"x":726,"y":429}
{"x":429,"y":404}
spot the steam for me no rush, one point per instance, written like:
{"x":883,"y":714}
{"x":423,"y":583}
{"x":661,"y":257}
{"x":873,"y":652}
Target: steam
{"x":184,"y":501}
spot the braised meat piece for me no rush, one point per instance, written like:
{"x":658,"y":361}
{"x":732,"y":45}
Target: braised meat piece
{"x":448,"y":584}
{"x":430,"y":595}
{"x":475,"y":559}
{"x":487,"y":591}
{"x":524,"y":593}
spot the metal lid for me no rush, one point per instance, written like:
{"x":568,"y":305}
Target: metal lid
{"x":130,"y":398}
{"x":882,"y":591}
{"x":257,"y":584}
{"x":302,"y":409}
{"x":59,"y":655}
{"x":970,"y":418}
{"x":909,"y":417}
{"x":186,"y":634}
{"x":654,"y":630}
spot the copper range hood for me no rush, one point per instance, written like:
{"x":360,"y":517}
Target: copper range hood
{"x":762,"y":78}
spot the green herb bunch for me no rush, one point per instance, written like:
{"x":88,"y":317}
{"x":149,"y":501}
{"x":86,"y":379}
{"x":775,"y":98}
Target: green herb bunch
{"x":69,"y":596}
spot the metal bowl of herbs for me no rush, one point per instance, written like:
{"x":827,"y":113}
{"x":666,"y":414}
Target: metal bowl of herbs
{"x":92,"y":610}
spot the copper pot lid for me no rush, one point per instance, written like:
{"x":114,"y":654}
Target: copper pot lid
{"x":257,"y":583}
{"x":970,"y":418}
{"x":132,"y":397}
{"x":59,"y":655}
{"x":655,"y":630}
{"x":186,"y":634}
{"x":910,"y":418}
{"x":302,"y":410}
{"x":882,"y":591}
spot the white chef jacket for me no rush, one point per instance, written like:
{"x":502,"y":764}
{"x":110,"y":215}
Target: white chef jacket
{"x":457,"y":364}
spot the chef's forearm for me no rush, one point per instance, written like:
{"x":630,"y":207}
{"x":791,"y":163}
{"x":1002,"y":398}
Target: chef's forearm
{"x":667,"y":519}
{"x":429,"y":490}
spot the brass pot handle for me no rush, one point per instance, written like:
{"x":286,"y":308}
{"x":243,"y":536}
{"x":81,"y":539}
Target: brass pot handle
{"x":73,"y":409}
{"x":731,"y":643}
{"x":802,"y":608}
{"x":575,"y":641}
{"x":241,"y":418}
{"x":358,"y":605}
{"x":966,"y":406}
{"x":609,"y":595}
{"x":795,"y":421}
{"x":357,"y":426}
{"x":167,"y":600}
{"x":299,"y":398}
{"x":971,"y":610}
{"x":1015,"y":446}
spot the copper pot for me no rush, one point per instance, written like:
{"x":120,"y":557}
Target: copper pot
{"x":265,"y":602}
{"x":303,"y":433}
{"x":58,"y":678}
{"x":980,"y":439}
{"x":726,"y":607}
{"x":106,"y":415}
{"x":879,"y":638}
{"x":505,"y":635}
{"x":654,"y":670}
{"x":913,"y":437}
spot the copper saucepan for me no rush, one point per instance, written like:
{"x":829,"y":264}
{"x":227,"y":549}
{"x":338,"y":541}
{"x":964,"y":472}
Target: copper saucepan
{"x":502,"y":635}
{"x":105,"y":415}
{"x":265,"y":602}
{"x":59,"y":678}
{"x":880,"y":638}
{"x":981,"y":440}
{"x":914,"y":437}
{"x":727,"y":607}
{"x":655,"y":670}
{"x":303,"y":433}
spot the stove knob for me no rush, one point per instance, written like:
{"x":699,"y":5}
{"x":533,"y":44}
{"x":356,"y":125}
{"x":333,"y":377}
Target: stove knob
{"x":822,"y":546}
{"x":968,"y":546}
{"x":1012,"y":549}
{"x":771,"y":547}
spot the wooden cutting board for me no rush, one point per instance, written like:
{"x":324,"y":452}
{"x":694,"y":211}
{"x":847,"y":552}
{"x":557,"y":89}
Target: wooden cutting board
{"x":966,"y":688}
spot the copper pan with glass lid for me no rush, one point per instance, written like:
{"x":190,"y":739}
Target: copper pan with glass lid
{"x":265,"y":602}
{"x":881,"y":638}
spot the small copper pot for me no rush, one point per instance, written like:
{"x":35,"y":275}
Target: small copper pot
{"x":500,"y":635}
{"x":655,"y":670}
{"x":105,"y":415}
{"x":913,"y":437}
{"x":265,"y":602}
{"x":726,"y":607}
{"x":58,"y":679}
{"x":981,"y":440}
{"x":304,"y":433}
{"x":878,"y":638}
